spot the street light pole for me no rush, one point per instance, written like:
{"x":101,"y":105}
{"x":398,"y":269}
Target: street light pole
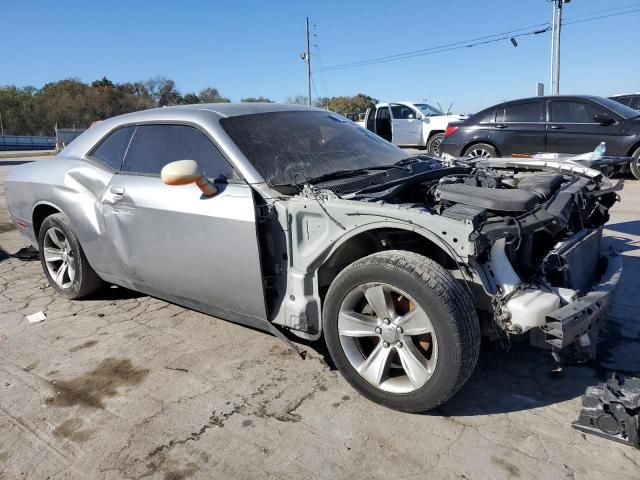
{"x":308,"y":65}
{"x":555,"y":45}
{"x":553,"y":49}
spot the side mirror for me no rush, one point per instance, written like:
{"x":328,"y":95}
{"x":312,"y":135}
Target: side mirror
{"x":603,"y":119}
{"x":184,"y":172}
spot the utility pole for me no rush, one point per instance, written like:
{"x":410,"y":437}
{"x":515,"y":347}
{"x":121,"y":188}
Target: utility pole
{"x":308,"y":59}
{"x":555,"y":45}
{"x":1,"y":126}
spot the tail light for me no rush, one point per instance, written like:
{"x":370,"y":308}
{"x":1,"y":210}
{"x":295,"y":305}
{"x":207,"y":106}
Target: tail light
{"x":450,"y":130}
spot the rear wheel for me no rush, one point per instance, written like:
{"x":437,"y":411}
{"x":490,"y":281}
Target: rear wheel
{"x":635,"y":164}
{"x":433,"y":145}
{"x":401,"y":330}
{"x":63,"y":261}
{"x":480,"y":150}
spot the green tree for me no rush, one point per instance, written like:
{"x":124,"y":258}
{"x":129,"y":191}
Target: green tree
{"x":354,"y":104}
{"x":212,"y":95}
{"x":256,"y":100}
{"x":190,"y":98}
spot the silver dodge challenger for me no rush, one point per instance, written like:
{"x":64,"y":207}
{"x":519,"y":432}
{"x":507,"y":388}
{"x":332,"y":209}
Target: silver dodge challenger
{"x":295,"y":220}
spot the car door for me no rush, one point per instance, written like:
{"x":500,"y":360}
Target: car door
{"x":174,"y":241}
{"x":406,"y":127}
{"x":383,"y":123}
{"x":572,"y":128}
{"x":519,"y":128}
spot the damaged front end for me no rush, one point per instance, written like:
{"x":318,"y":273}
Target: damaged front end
{"x":539,"y":247}
{"x":539,"y":254}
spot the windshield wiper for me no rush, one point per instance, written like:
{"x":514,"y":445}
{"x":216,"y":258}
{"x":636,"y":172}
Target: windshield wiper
{"x":354,"y":172}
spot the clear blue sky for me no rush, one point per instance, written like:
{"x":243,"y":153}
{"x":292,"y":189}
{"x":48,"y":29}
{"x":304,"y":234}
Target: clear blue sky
{"x":251,"y":48}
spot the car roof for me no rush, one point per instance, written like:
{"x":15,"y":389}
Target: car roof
{"x":386,"y":104}
{"x":624,"y":94}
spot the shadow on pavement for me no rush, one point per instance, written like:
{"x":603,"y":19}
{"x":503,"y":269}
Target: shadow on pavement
{"x":3,"y":255}
{"x":630,"y":228}
{"x":114,"y":292}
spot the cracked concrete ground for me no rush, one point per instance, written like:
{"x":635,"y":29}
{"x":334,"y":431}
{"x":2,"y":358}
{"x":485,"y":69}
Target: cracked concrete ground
{"x":122,"y":385}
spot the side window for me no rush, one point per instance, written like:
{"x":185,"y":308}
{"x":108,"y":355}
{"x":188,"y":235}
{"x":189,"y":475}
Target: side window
{"x":383,"y":113}
{"x":488,"y":117}
{"x":402,"y":112}
{"x":635,"y":102}
{"x":524,"y":113}
{"x":572,"y":112}
{"x":111,"y":152}
{"x":153,"y":146}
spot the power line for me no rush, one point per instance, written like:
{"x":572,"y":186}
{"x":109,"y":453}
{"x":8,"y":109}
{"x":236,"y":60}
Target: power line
{"x":475,"y":41}
{"x":438,"y":49}
{"x":601,"y":16}
{"x":413,"y":53}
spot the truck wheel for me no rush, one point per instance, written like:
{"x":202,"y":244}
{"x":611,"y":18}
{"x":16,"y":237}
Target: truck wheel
{"x":402,"y":330}
{"x":433,"y":145}
{"x":634,"y":166}
{"x":480,"y":150}
{"x":63,"y":260}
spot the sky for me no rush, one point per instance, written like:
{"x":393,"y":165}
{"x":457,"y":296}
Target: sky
{"x":252,"y":48}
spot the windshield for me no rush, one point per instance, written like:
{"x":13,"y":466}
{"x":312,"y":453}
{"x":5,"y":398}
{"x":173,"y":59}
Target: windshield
{"x":287,"y":147}
{"x":427,"y":110}
{"x":622,"y":110}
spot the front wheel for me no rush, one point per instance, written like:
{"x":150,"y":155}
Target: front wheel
{"x":480,"y":150}
{"x":433,"y":145}
{"x":401,"y":330}
{"x":63,"y":261}
{"x":635,"y":164}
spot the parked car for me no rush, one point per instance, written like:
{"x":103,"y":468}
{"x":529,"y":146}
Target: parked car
{"x":306,"y":222}
{"x":410,"y":124}
{"x":558,"y":124}
{"x":629,"y":99}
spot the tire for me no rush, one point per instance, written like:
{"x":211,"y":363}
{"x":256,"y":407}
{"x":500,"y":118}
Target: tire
{"x":433,"y":144}
{"x":634,"y":166}
{"x":58,"y":247}
{"x":480,"y":150}
{"x":449,"y":352}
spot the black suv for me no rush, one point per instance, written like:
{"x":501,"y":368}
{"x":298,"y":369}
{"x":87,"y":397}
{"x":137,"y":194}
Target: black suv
{"x":559,"y":124}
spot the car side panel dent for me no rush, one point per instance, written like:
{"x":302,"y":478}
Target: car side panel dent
{"x":314,"y":233}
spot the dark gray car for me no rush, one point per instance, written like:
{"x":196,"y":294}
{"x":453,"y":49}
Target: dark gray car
{"x":558,"y":124}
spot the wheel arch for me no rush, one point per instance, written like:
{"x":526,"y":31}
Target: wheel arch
{"x":42,"y":210}
{"x":633,"y":149}
{"x":377,"y":239}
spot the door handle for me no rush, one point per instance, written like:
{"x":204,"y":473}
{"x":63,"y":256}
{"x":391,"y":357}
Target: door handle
{"x":117,"y":190}
{"x":502,"y":126}
{"x":557,"y":127}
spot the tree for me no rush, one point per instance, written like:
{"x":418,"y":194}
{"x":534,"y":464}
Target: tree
{"x":256,"y":100}
{"x":212,"y":95}
{"x":296,"y":100}
{"x":355,"y":104}
{"x":190,"y":98}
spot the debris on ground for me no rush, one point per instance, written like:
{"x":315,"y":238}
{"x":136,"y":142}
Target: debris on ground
{"x":27,"y":253}
{"x":612,"y":411}
{"x":36,"y":317}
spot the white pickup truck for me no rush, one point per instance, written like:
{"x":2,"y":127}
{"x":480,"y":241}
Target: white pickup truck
{"x":410,"y":124}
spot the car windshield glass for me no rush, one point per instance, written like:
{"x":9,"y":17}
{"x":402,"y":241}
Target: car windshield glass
{"x":622,"y":110}
{"x":287,"y":147}
{"x":427,"y":110}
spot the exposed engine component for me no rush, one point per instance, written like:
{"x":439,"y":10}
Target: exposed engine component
{"x":612,"y":410}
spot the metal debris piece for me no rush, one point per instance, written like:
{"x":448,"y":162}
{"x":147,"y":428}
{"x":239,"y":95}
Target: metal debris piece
{"x":612,"y":410}
{"x":36,"y":317}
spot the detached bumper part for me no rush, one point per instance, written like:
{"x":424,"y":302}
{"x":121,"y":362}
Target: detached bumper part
{"x":567,"y":324}
{"x":612,"y":410}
